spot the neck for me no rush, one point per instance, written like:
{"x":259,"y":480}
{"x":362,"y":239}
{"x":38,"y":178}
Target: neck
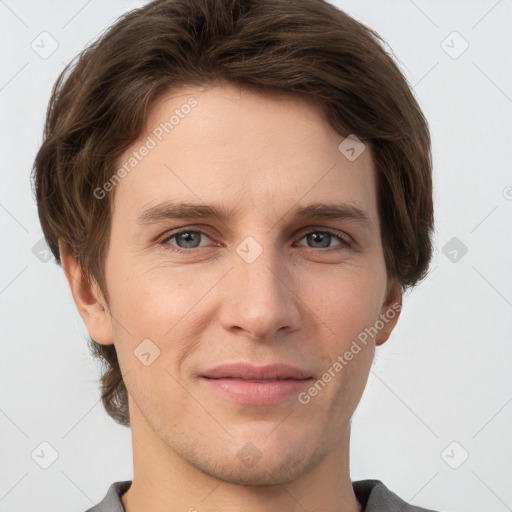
{"x":163,"y":481}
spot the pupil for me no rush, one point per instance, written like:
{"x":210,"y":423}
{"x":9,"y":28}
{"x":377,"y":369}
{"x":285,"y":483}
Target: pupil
{"x":321,"y":237}
{"x":188,"y":237}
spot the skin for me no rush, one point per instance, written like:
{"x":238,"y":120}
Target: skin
{"x":299,"y":303}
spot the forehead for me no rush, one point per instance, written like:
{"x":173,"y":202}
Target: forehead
{"x":243,"y":148}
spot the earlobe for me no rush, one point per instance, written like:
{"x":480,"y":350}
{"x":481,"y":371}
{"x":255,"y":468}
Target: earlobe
{"x":87,"y":297}
{"x":390,"y":312}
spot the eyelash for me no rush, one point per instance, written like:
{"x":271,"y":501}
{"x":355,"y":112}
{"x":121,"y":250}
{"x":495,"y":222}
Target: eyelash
{"x":344,"y":244}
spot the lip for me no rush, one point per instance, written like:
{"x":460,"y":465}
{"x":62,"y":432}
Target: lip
{"x":256,"y":385}
{"x":247,"y":371}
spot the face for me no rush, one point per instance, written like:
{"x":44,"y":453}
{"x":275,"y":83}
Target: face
{"x":259,"y":285}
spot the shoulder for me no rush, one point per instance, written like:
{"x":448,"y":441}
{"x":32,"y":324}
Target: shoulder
{"x":112,"y":500}
{"x":374,"y":496}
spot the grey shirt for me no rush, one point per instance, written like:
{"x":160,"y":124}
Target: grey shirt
{"x":373,"y":495}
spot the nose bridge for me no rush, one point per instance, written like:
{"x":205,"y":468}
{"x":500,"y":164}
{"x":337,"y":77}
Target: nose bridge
{"x":262,"y":301}
{"x":260,"y":267}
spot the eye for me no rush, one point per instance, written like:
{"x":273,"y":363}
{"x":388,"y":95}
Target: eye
{"x":322,"y":239}
{"x":186,"y":239}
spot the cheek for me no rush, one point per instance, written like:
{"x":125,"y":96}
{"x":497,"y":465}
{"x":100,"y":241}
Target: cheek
{"x":345,"y":301}
{"x":154,"y":308}
{"x":164,"y":303}
{"x":152,"y":301}
{"x":345,"y":305}
{"x":152,"y":311}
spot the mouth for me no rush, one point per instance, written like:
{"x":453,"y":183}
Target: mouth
{"x":253,"y":380}
{"x":256,"y":385}
{"x":246,"y":371}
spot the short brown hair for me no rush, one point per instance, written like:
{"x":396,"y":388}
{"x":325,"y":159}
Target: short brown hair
{"x":99,"y":107}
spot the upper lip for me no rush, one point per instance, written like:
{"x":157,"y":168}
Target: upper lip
{"x":248,"y":371}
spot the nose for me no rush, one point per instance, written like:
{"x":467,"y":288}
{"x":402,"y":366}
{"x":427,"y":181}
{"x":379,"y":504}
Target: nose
{"x":260,"y":299}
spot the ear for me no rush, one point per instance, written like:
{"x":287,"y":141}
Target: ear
{"x":390,"y":311}
{"x":88,"y":298}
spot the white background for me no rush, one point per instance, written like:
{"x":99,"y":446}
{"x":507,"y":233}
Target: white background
{"x":443,"y":376}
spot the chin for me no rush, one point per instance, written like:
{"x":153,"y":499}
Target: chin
{"x":255,"y":464}
{"x":262,"y":473}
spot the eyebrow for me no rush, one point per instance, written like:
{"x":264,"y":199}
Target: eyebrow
{"x":169,"y":210}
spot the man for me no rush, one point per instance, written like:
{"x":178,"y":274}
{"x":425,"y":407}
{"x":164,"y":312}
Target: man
{"x":238,"y":192}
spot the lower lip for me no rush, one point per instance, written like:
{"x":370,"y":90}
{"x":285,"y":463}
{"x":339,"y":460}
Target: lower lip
{"x":257,"y":393}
